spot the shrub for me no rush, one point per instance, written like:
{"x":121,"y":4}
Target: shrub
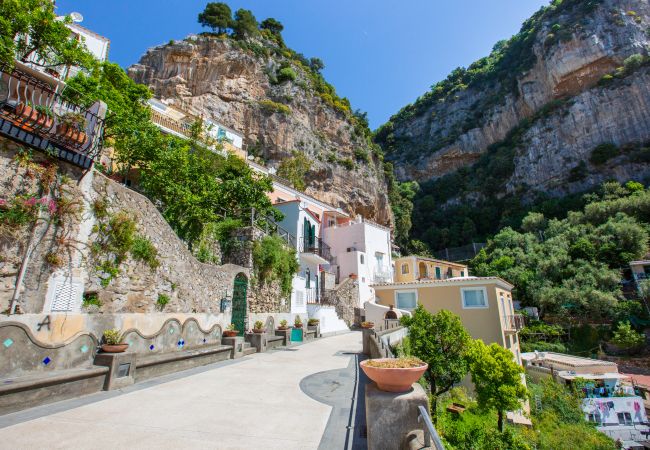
{"x":258,"y":325}
{"x":295,"y":169}
{"x":297,"y":321}
{"x":162,"y":301}
{"x":143,"y":250}
{"x":286,"y":74}
{"x":625,"y":337}
{"x":273,"y":260}
{"x":361,"y":155}
{"x":91,"y":299}
{"x":53,"y":259}
{"x":313,"y":322}
{"x":603,"y":153}
{"x":347,"y":163}
{"x":221,"y":232}
{"x":578,"y":173}
{"x":271,"y":107}
{"x":542,"y":346}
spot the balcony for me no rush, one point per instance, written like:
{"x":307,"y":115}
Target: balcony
{"x":315,"y":250}
{"x":514,"y":322}
{"x":382,"y":275}
{"x":34,"y":113}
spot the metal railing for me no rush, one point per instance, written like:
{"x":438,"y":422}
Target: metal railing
{"x":515,"y":322}
{"x":33,"y":112}
{"x":316,"y":246}
{"x":383,"y":275}
{"x":430,"y":433}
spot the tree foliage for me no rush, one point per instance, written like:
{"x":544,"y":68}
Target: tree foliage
{"x":442,"y":342}
{"x":271,"y":24}
{"x":244,"y":24}
{"x":295,"y":169}
{"x":497,"y":378}
{"x":274,"y":260}
{"x":217,"y":16}
{"x":571,"y":266}
{"x":29,"y":27}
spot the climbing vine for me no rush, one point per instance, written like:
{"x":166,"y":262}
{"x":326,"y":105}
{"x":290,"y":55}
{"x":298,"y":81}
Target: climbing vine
{"x":273,"y":260}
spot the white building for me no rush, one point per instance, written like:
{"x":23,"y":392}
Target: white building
{"x":610,"y":401}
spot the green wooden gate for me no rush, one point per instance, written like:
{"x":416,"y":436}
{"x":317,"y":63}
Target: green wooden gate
{"x":239,"y":303}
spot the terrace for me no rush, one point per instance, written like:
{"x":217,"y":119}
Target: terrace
{"x":316,"y":249}
{"x":34,"y":112}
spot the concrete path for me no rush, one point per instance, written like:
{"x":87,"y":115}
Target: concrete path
{"x":255,"y":402}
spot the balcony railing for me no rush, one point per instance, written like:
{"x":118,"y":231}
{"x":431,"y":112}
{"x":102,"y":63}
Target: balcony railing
{"x":33,"y":113}
{"x":383,"y":275}
{"x":515,"y":322}
{"x":315,"y":246}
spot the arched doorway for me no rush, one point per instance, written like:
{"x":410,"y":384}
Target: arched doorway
{"x":422,"y":268}
{"x":239,"y":291}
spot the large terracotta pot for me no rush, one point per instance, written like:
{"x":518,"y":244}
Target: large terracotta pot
{"x":230,"y":333}
{"x":27,"y":112}
{"x":114,"y":348}
{"x":393,"y":380}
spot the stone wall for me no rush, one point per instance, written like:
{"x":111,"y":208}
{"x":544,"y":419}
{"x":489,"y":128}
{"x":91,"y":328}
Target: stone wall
{"x":345,"y":299}
{"x":190,"y":285}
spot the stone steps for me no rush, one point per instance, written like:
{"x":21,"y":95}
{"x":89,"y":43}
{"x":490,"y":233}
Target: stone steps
{"x":248,"y":350}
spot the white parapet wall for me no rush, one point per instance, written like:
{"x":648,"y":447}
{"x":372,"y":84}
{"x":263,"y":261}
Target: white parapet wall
{"x":329,"y":320}
{"x":377,"y":313}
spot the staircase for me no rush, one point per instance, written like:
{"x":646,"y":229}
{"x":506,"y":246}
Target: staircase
{"x":248,"y":350}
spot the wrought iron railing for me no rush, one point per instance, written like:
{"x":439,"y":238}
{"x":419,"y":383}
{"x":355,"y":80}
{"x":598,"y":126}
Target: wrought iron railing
{"x":34,"y":113}
{"x":515,"y":322}
{"x":316,"y":246}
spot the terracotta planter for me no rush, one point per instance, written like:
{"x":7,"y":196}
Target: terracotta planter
{"x":27,"y":112}
{"x":393,"y":380}
{"x":259,"y":330}
{"x":283,"y":328}
{"x":297,"y":326}
{"x":230,"y":333}
{"x":114,"y":348}
{"x":70,"y":134}
{"x":368,"y":326}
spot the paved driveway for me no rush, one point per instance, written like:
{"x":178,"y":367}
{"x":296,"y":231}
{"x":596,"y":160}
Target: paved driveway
{"x":252,"y":403}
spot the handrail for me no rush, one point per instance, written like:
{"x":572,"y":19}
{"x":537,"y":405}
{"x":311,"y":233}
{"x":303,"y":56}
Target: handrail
{"x":430,"y":432}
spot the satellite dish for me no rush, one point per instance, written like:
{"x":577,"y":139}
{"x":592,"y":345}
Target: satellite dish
{"x":76,"y":17}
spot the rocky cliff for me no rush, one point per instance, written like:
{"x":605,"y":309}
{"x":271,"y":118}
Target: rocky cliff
{"x":280,"y":105}
{"x":536,"y":109}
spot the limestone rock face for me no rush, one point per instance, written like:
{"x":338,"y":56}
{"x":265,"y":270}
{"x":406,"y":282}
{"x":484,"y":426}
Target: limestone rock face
{"x":456,"y":131}
{"x":216,"y":79}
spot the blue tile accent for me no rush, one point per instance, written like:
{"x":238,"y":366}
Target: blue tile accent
{"x":151,"y":347}
{"x":8,"y":342}
{"x":47,"y":360}
{"x":84,"y":348}
{"x":204,"y":340}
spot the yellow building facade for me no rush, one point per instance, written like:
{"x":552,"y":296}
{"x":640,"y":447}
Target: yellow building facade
{"x":414,"y":268}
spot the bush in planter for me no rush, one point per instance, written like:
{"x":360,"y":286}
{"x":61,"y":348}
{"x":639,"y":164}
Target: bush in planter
{"x":259,"y":325}
{"x":112,"y":337}
{"x":313,"y":322}
{"x":297,"y":322}
{"x":230,"y":331}
{"x":283,"y":324}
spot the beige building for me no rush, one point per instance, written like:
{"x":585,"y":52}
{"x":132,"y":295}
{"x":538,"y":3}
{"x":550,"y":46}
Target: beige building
{"x":413,"y":268}
{"x":484,"y":305}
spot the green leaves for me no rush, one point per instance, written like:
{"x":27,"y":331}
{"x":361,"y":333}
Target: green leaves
{"x":274,"y":260}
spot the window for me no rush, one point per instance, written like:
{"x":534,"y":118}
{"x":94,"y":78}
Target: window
{"x":624,"y":418}
{"x":595,"y":418}
{"x":361,"y":258}
{"x":405,"y":269}
{"x":406,"y":299}
{"x":474,"y":298}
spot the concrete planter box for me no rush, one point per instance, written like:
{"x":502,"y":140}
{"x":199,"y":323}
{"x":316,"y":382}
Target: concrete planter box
{"x":286,"y":336}
{"x":121,"y":369}
{"x":237,"y":344}
{"x":315,"y":329}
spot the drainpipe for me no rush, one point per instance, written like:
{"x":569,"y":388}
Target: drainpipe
{"x":25,"y":262}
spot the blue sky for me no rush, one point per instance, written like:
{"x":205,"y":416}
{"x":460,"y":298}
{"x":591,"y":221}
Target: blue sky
{"x":381,"y":54}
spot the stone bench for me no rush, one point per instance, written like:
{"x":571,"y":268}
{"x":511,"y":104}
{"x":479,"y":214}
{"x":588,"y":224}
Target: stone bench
{"x":310,"y":335}
{"x":39,"y":388}
{"x":158,"y":364}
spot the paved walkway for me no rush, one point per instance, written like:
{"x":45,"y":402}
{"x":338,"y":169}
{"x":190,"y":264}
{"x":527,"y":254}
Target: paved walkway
{"x":277,"y":400}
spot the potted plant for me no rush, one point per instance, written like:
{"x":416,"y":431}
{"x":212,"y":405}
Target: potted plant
{"x":258,"y":327}
{"x":284,"y":325}
{"x":353,"y":276}
{"x":230,"y":331}
{"x":367,"y":325}
{"x":27,"y":111}
{"x":394,"y":374}
{"x":113,"y":341}
{"x":72,"y":127}
{"x":46,"y":116}
{"x":297,"y":323}
{"x":313,"y":322}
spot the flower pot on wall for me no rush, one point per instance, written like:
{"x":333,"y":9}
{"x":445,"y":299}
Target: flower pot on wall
{"x":393,"y":379}
{"x":230,"y":333}
{"x":27,"y":112}
{"x":259,"y":330}
{"x":114,"y":348}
